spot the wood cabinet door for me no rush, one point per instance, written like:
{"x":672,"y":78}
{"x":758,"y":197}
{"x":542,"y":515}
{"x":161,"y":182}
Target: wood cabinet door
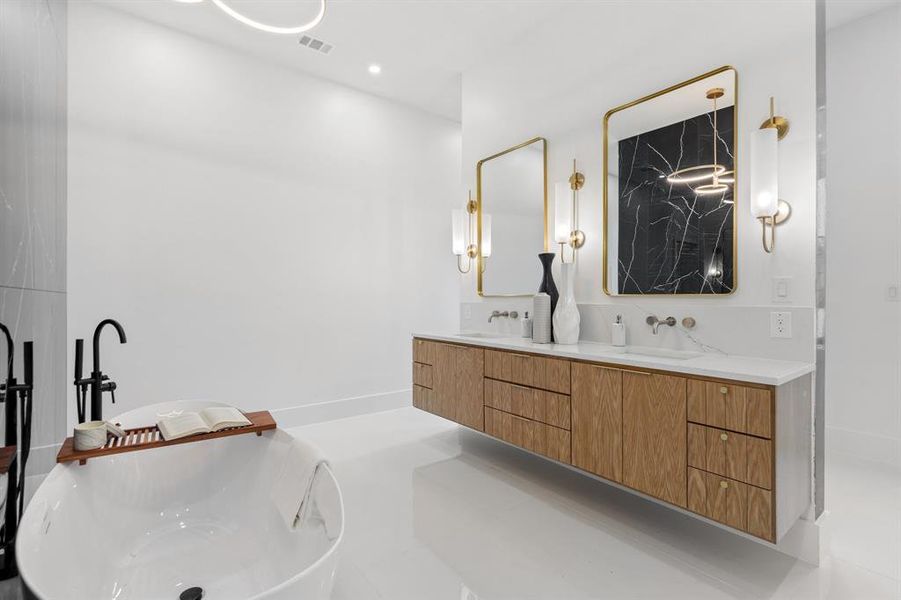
{"x":597,"y":420}
{"x":469,"y":369}
{"x":444,"y":381}
{"x":654,"y":435}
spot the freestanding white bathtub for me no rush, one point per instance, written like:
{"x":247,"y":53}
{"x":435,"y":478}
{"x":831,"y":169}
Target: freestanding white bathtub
{"x":149,"y":525}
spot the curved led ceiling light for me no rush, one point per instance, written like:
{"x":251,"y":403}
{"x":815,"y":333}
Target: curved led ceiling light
{"x":698,"y":173}
{"x":271,"y":28}
{"x":717,"y":172}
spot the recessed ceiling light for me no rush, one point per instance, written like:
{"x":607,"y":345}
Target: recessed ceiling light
{"x":375,"y":69}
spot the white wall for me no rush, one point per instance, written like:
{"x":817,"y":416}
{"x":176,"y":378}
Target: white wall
{"x":563,"y":96}
{"x":863,"y":223}
{"x":266,"y":238}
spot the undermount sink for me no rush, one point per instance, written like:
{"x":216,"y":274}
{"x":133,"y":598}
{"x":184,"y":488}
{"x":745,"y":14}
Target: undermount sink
{"x":662,"y":352}
{"x":480,"y":334}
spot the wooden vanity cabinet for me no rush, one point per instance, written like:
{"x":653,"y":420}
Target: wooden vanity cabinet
{"x":654,"y":435}
{"x":453,"y":387}
{"x":705,"y":445}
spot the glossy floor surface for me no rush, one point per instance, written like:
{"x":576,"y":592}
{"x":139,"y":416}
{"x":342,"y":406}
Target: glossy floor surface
{"x":438,"y":512}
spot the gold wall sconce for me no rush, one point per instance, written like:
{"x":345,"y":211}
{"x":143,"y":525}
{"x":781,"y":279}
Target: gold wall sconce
{"x":465,"y":235}
{"x":566,"y":214}
{"x":766,"y":206}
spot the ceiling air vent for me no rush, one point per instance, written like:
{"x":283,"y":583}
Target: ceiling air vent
{"x":317,"y":45}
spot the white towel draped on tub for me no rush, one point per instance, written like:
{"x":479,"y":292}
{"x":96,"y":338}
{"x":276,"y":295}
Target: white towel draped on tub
{"x":291,"y":492}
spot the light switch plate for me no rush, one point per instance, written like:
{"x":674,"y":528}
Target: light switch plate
{"x":782,"y":290}
{"x":467,"y":311}
{"x":892,"y":293}
{"x":780,"y":324}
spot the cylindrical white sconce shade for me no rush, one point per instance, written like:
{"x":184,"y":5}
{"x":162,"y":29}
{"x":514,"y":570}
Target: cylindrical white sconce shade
{"x":563,"y":212}
{"x":460,"y":224}
{"x":486,"y":235}
{"x":764,"y":173}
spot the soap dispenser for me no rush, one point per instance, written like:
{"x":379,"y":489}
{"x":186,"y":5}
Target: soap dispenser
{"x":618,"y":332}
{"x":526,"y":324}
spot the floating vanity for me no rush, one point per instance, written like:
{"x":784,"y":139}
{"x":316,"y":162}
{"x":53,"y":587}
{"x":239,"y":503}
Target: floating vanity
{"x":724,"y":437}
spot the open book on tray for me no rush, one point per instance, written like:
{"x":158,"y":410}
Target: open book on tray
{"x":208,"y":420}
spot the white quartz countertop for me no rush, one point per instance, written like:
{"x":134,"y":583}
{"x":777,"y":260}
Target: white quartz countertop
{"x":705,"y":364}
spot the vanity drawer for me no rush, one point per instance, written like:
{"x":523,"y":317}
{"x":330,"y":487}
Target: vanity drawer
{"x":422,"y":375}
{"x":534,"y":371}
{"x":732,"y":407}
{"x":734,"y":455}
{"x":550,"y":441}
{"x":538,"y":405}
{"x":424,"y":351}
{"x":424,"y":399}
{"x":733,"y":503}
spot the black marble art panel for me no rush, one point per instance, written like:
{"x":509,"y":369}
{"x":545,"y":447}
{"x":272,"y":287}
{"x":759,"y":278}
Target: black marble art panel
{"x":671,"y":239}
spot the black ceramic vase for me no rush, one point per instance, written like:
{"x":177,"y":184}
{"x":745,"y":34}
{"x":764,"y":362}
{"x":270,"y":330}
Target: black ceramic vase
{"x":547,"y":279}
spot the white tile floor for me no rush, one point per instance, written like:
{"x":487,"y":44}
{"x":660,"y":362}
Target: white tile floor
{"x":438,"y":512}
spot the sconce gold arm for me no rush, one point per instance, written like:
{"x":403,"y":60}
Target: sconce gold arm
{"x":769,"y":247}
{"x":576,"y":236}
{"x":780,"y":124}
{"x":460,"y":267}
{"x":471,"y":249}
{"x":783,"y":212}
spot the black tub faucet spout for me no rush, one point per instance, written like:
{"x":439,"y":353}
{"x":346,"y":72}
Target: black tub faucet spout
{"x":98,"y":381}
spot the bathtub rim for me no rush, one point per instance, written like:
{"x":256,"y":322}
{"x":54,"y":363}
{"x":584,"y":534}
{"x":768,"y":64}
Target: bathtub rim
{"x":29,"y":592}
{"x":336,"y":544}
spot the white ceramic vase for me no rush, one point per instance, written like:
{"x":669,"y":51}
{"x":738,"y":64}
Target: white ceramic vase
{"x":566,"y":317}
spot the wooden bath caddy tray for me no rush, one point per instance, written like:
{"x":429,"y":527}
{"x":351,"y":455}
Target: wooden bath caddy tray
{"x":145,"y":438}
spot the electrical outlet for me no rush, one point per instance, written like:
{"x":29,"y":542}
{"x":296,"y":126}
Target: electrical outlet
{"x":780,"y":324}
{"x":891,"y":293}
{"x":467,"y":311}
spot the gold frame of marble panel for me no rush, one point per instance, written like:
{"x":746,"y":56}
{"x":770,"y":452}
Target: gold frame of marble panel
{"x":481,"y":269}
{"x":735,"y":148}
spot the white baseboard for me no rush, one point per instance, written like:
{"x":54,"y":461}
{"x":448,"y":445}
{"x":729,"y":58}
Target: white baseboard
{"x":340,"y":409}
{"x":868,"y":446}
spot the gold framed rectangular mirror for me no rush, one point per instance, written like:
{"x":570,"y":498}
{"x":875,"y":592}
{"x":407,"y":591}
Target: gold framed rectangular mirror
{"x":511,"y":194}
{"x":669,"y":190}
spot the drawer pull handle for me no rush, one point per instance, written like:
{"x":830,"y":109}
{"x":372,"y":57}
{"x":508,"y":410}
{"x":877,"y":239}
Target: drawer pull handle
{"x":724,"y":484}
{"x":724,"y":390}
{"x":645,"y":373}
{"x":519,"y":355}
{"x":724,"y":436}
